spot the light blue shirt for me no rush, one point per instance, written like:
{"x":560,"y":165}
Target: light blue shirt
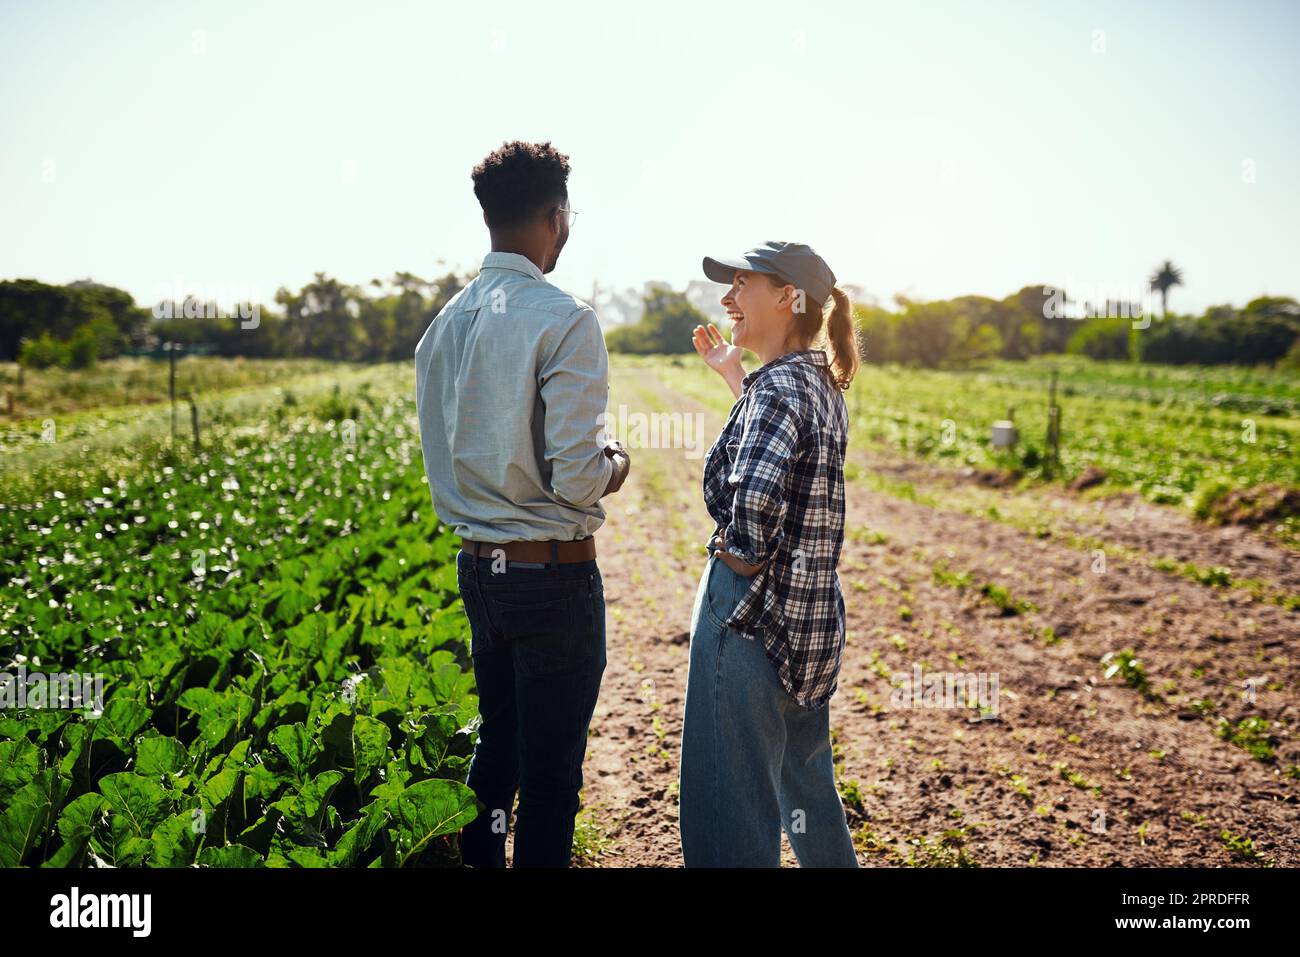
{"x":511,"y":387}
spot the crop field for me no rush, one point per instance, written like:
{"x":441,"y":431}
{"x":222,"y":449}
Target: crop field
{"x":1177,"y":436}
{"x":283,"y":667}
{"x":284,"y":658}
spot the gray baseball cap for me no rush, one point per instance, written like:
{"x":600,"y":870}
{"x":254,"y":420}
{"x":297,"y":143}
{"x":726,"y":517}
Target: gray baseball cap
{"x":796,"y":263}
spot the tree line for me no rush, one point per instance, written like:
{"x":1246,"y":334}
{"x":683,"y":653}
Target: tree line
{"x":957,"y":331}
{"x":79,"y":323}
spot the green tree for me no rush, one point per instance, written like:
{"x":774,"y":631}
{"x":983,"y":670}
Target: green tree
{"x":928,"y":331}
{"x":1102,"y":338}
{"x":83,"y":347}
{"x":324,"y":319}
{"x":982,"y":342}
{"x":877,"y":328}
{"x":1051,"y":332}
{"x":1162,"y":280}
{"x":42,"y":352}
{"x":665,"y":326}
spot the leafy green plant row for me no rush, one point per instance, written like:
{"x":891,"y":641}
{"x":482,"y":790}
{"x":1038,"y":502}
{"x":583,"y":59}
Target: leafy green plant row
{"x":305,"y":701}
{"x":1167,"y":439}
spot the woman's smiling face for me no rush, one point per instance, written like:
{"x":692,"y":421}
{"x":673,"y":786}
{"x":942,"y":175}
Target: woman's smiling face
{"x":759,"y":323}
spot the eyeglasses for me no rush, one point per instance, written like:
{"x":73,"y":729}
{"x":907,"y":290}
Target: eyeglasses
{"x":573,"y":213}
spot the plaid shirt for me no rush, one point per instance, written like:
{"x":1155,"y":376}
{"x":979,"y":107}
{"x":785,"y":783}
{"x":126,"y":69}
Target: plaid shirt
{"x":774,"y":479}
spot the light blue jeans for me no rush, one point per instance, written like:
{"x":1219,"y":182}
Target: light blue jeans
{"x":753,"y":759}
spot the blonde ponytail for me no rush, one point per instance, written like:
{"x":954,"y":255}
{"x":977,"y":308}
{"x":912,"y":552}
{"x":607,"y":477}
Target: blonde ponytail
{"x":843,"y":339}
{"x":836,"y":331}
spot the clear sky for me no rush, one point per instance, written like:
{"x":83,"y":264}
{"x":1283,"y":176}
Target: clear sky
{"x":931,"y":148}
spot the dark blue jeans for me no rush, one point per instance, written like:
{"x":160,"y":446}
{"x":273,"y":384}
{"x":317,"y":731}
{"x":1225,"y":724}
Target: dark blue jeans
{"x":538,"y":644}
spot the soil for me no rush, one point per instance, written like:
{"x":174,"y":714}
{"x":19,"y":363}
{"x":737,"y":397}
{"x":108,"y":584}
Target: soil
{"x":1035,"y":586}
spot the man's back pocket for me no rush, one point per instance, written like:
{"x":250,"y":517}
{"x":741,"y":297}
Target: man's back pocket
{"x":549,"y":624}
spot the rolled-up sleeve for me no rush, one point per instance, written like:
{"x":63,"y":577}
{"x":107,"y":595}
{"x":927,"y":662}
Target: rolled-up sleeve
{"x":760,"y":476}
{"x":574,"y":385}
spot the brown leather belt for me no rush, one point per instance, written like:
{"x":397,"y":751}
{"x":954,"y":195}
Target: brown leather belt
{"x":563,"y":553}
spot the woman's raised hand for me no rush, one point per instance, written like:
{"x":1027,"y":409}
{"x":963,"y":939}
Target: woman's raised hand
{"x":715,"y":350}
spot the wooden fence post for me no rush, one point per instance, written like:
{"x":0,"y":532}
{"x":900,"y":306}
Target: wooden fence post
{"x":1052,"y":452}
{"x":194,"y":422}
{"x":170,"y":347}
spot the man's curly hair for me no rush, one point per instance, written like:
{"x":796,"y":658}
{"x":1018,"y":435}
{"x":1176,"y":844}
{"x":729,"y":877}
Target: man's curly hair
{"x":514,"y":182}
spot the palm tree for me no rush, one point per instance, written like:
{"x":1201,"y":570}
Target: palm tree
{"x":1164,"y":279}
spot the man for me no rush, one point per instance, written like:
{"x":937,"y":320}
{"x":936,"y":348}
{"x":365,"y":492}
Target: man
{"x":511,"y":388}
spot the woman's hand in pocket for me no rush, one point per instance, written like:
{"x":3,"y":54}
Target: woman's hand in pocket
{"x":744,"y":569}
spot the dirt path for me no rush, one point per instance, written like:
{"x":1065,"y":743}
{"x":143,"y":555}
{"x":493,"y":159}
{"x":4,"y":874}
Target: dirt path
{"x":1031,"y":587}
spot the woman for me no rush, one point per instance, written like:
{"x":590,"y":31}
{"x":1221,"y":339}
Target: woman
{"x":767,"y":631}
